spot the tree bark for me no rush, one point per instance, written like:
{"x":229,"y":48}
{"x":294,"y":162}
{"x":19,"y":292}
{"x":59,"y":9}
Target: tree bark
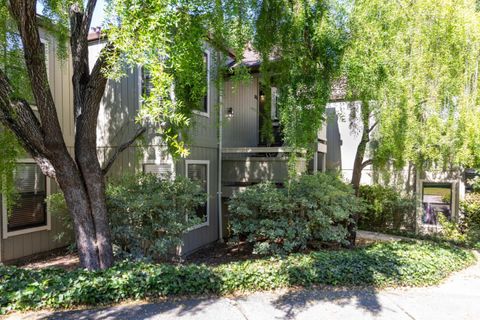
{"x":359,"y":164}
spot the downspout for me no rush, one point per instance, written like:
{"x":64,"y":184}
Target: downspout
{"x":219,"y":166}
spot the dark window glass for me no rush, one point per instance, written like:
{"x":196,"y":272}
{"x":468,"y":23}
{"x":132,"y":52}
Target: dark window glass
{"x":436,"y":200}
{"x":146,"y":82}
{"x":203,"y":103}
{"x":30,"y":208}
{"x":199,"y":173}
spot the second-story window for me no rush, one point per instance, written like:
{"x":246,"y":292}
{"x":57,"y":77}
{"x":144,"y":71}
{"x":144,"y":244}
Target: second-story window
{"x":146,"y":82}
{"x":12,"y":62}
{"x":202,"y":106}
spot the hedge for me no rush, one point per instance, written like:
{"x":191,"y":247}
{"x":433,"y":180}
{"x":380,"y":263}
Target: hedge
{"x":379,"y":265}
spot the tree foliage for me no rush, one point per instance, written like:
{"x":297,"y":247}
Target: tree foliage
{"x":418,"y":62}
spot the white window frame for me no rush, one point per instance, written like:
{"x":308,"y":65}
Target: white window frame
{"x":159,"y":162}
{"x":207,"y":162}
{"x":198,"y":112}
{"x":47,"y":227}
{"x":273,"y":109}
{"x":453,"y":201}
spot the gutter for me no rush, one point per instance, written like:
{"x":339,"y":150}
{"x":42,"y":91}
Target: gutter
{"x":219,"y":166}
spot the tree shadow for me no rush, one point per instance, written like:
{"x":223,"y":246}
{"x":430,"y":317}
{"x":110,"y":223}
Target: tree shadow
{"x":294,"y":302}
{"x":347,"y":279}
{"x":174,"y":308}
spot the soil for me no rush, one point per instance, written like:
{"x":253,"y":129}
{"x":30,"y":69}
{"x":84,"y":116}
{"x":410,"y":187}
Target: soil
{"x":214,"y":255}
{"x":58,"y":258}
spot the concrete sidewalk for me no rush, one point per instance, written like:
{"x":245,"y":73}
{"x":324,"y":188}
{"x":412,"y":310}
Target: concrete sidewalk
{"x":457,"y":298}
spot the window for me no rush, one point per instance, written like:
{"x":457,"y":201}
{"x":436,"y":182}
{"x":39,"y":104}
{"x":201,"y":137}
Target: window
{"x":203,"y":104}
{"x":146,"y":82}
{"x":198,"y":170}
{"x":29,"y":213}
{"x":436,"y":200}
{"x":274,"y":109}
{"x":13,"y":62}
{"x":164,"y":169}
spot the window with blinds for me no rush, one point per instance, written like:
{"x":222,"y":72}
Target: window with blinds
{"x":30,"y":209}
{"x":199,"y":172}
{"x":163,"y":170}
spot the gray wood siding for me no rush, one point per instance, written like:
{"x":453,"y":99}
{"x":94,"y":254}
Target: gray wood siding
{"x":207,"y":234}
{"x":242,"y":129}
{"x":60,"y":74}
{"x":19,"y":246}
{"x":116,"y":124}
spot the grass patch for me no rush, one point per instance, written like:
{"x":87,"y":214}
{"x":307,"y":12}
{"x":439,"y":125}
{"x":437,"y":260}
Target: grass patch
{"x":379,"y":265}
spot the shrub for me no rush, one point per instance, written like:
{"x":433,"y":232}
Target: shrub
{"x":379,"y":265}
{"x":386,"y":209}
{"x":311,"y":208}
{"x":467,"y":230}
{"x":148,"y":215}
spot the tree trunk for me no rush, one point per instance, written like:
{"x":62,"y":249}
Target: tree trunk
{"x":81,"y":179}
{"x":358,"y":165}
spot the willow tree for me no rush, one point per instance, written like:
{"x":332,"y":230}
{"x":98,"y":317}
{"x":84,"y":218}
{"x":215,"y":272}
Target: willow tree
{"x":171,"y":34}
{"x":300,"y":43}
{"x":413,"y":67}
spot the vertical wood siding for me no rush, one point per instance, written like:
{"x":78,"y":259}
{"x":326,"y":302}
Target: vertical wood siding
{"x":242,"y":129}
{"x":59,"y":74}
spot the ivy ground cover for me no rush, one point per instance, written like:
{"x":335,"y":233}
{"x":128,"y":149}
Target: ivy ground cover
{"x":378,"y":265}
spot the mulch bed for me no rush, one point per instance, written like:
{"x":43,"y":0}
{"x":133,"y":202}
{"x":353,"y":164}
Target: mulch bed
{"x":214,"y":255}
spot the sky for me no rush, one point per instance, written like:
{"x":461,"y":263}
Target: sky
{"x":98,"y":14}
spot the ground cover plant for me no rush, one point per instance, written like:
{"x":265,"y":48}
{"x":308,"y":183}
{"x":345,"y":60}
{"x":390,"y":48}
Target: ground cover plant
{"x":378,"y":265}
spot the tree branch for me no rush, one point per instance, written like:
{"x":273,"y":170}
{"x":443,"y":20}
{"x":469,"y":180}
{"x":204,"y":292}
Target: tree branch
{"x":372,"y":127}
{"x":24,"y":14}
{"x":122,"y":148}
{"x":98,"y":80}
{"x":19,"y":118}
{"x":366,"y":163}
{"x":87,"y":17}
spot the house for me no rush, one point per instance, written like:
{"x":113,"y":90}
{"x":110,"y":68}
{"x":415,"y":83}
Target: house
{"x":226,"y":152}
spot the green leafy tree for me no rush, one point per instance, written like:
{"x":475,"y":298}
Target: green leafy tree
{"x":165,"y":37}
{"x":413,"y":66}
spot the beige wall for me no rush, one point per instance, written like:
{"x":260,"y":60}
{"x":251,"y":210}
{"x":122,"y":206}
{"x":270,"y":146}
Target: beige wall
{"x":59,"y":74}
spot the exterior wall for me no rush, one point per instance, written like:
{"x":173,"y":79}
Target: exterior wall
{"x":116,"y":124}
{"x":16,"y":247}
{"x":342,"y":142}
{"x":241,"y":130}
{"x":29,"y":243}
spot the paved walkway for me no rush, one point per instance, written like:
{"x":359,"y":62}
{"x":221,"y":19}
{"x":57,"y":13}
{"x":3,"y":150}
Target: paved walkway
{"x":457,"y":298}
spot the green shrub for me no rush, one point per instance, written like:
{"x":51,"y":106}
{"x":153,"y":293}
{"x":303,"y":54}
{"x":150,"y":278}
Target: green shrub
{"x":311,"y":208}
{"x":148,"y":215}
{"x":386,"y":209}
{"x":467,"y":230}
{"x":379,"y":265}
